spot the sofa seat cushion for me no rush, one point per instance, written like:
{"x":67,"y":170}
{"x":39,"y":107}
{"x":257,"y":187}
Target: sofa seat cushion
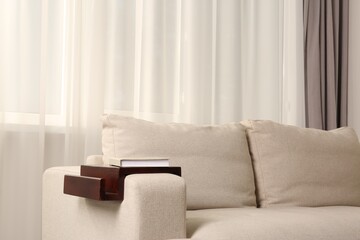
{"x":295,"y":223}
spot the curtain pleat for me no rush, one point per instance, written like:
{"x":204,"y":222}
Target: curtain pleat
{"x":293,"y":97}
{"x":326,"y":63}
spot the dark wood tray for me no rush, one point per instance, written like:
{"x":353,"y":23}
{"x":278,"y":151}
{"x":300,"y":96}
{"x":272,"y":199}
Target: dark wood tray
{"x":106,"y":182}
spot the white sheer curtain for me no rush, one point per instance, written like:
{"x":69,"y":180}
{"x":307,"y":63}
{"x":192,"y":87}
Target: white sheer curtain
{"x":64,"y":63}
{"x":206,"y":61}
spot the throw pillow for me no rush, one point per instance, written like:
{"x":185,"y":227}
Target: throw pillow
{"x":304,"y":167}
{"x":214,"y":160}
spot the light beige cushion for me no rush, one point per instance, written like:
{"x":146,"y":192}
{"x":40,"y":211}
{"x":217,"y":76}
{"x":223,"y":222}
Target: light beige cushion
{"x":304,"y":167}
{"x":288,"y":223}
{"x":214,"y":160}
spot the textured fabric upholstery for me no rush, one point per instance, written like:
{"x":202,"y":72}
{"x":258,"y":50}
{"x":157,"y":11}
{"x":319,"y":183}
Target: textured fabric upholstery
{"x":153,"y":209}
{"x":304,"y":167}
{"x":293,"y":223}
{"x":214,"y":160}
{"x":294,"y":167}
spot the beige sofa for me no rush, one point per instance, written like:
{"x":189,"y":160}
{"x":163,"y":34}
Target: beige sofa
{"x":255,"y":180}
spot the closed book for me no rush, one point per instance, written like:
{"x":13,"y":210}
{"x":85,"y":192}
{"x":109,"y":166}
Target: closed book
{"x":140,"y":162}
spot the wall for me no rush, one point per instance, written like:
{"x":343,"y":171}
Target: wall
{"x":354,"y":65}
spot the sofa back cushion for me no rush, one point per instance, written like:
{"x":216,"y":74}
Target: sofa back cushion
{"x":214,"y":160}
{"x":304,"y":167}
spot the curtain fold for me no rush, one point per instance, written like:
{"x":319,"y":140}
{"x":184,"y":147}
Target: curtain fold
{"x":326,"y":26}
{"x":64,"y":63}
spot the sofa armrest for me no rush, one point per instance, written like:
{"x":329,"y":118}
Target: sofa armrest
{"x":154,"y":208}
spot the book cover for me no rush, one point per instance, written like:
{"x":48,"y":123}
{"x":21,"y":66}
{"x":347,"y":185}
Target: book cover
{"x":140,"y":162}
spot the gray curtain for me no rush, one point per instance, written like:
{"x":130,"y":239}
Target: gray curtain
{"x":326,"y":26}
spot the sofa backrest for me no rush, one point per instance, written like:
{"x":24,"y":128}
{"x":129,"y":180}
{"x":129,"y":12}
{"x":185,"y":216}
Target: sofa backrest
{"x":304,"y":167}
{"x":215,"y":160}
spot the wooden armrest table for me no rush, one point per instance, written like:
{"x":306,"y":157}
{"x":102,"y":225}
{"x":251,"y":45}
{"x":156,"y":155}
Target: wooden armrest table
{"x":107,"y":182}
